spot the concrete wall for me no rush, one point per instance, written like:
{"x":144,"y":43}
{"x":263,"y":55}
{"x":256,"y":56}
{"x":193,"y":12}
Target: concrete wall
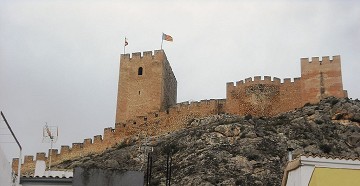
{"x":300,"y":176}
{"x":97,"y":177}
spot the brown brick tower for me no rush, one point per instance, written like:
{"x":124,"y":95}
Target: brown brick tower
{"x":321,"y":79}
{"x":146,"y":84}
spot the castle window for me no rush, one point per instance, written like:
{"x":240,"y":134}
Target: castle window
{"x":140,"y":71}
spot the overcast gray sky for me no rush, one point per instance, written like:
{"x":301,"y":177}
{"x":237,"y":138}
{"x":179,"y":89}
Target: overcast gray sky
{"x":59,"y":60}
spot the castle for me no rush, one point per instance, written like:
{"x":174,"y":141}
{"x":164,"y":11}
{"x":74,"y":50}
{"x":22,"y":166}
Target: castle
{"x":146,"y":103}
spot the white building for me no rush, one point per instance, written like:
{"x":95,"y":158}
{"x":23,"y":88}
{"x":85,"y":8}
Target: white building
{"x":322,"y":171}
{"x":47,"y":178}
{"x":5,"y":170}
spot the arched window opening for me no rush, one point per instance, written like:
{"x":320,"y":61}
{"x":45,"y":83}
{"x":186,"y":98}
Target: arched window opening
{"x":140,"y":71}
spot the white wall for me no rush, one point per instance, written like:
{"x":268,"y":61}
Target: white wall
{"x":300,"y":176}
{"x":5,"y":170}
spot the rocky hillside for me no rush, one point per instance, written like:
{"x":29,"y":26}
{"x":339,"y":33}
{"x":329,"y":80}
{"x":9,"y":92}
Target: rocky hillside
{"x":234,"y":150}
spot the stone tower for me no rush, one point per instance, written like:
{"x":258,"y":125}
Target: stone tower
{"x":146,"y":84}
{"x":321,"y":79}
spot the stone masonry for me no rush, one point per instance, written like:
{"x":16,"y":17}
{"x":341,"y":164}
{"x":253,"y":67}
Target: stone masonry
{"x":146,"y":84}
{"x":147,"y":101}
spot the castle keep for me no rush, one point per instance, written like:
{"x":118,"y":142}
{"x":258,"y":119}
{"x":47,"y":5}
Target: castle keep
{"x":146,"y":84}
{"x":146,"y":103}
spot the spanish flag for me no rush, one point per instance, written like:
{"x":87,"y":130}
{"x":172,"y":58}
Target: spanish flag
{"x":126,"y":42}
{"x":167,"y":37}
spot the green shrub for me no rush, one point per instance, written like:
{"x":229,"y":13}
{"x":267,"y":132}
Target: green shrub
{"x":248,"y":117}
{"x":325,"y":148}
{"x":253,"y":157}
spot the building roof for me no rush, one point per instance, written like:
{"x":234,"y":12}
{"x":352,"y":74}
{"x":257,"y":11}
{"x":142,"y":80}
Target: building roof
{"x":45,"y":179}
{"x":321,"y":161}
{"x":42,"y":176}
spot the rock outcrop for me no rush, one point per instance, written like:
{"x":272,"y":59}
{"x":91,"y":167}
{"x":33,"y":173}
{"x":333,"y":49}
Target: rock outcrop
{"x":235,"y":150}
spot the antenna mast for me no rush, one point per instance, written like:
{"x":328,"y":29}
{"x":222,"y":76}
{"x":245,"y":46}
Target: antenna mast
{"x":50,"y":135}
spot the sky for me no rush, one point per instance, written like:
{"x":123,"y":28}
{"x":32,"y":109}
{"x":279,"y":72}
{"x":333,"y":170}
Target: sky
{"x":59,"y":60}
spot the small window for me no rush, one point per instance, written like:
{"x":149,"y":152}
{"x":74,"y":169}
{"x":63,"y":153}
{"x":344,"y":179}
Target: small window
{"x":140,"y":71}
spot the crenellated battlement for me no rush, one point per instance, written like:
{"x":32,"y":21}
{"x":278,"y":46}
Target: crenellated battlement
{"x":95,"y":145}
{"x":65,"y":149}
{"x":290,"y":81}
{"x":261,"y":80}
{"x":87,"y":142}
{"x":144,"y":56}
{"x":189,"y":104}
{"x":28,"y":158}
{"x":40,"y":156}
{"x":316,"y":60}
{"x":183,"y":108}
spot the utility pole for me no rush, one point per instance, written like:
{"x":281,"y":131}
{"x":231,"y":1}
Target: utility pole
{"x":149,"y":169}
{"x":168,"y":168}
{"x":12,"y":133}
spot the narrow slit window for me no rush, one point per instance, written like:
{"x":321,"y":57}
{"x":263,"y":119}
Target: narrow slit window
{"x":140,"y":71}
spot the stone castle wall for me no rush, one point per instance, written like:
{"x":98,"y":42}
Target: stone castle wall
{"x":151,"y":124}
{"x":256,"y":96}
{"x":262,"y":97}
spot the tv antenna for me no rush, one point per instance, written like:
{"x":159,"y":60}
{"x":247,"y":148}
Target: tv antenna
{"x":50,"y":135}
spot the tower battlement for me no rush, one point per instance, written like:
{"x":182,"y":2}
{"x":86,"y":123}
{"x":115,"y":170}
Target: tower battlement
{"x":261,"y":80}
{"x":321,"y":78}
{"x":324,"y":60}
{"x":146,"y":55}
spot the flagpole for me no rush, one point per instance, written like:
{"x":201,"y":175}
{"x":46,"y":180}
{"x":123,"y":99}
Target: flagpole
{"x":124,"y":45}
{"x":162,"y":40}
